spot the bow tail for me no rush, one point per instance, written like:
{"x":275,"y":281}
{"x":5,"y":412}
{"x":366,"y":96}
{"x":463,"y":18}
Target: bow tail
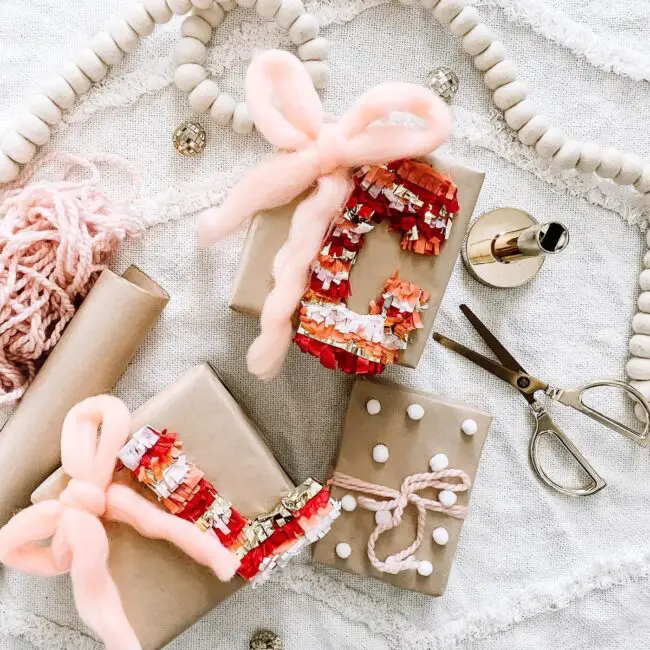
{"x":273,"y":182}
{"x":18,"y":537}
{"x":129,"y":507}
{"x":96,"y":596}
{"x":310,"y":223}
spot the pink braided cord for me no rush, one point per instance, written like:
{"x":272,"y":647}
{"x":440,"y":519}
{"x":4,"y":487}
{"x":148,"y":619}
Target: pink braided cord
{"x":396,"y":501}
{"x":55,"y":239}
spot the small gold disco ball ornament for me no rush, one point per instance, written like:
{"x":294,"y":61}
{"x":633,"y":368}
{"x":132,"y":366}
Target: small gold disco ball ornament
{"x":189,"y":138}
{"x":265,"y":641}
{"x":444,"y":82}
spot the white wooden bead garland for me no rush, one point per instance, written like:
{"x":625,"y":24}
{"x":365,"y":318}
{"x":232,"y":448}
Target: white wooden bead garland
{"x":91,"y":64}
{"x":191,"y":53}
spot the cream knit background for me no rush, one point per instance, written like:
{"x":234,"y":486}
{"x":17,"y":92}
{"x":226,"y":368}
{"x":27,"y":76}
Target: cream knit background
{"x":533,"y":570}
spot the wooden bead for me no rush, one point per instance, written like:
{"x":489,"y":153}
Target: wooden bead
{"x":188,"y":76}
{"x":59,"y":91}
{"x":643,"y":302}
{"x":304,"y":29}
{"x":159,"y":10}
{"x":510,"y":95}
{"x":190,"y":50}
{"x":631,"y":170}
{"x":179,"y":7}
{"x":139,"y":19}
{"x":223,"y":108}
{"x":90,"y":64}
{"x":267,"y":8}
{"x":226,"y":5}
{"x":520,"y":114}
{"x":289,"y":12}
{"x":644,"y":280}
{"x":500,"y":74}
{"x":646,"y":260}
{"x":531,"y":132}
{"x":646,"y":200}
{"x":204,"y":4}
{"x":103,"y":45}
{"x":124,"y":35}
{"x":19,"y":149}
{"x":203,"y":96}
{"x":213,"y":16}
{"x":408,"y":3}
{"x":32,"y":128}
{"x":467,"y":19}
{"x":610,"y":163}
{"x":447,"y":10}
{"x":9,"y":169}
{"x":477,"y":40}
{"x":246,"y":4}
{"x":78,"y":81}
{"x":647,"y":237}
{"x":549,"y":144}
{"x":589,"y":158}
{"x":319,"y":72}
{"x":242,"y":122}
{"x":317,"y":49}
{"x":638,"y":368}
{"x":43,"y":107}
{"x":196,"y":27}
{"x":643,"y":184}
{"x":641,"y":323}
{"x":568,"y":155}
{"x":639,"y":346}
{"x":429,"y":4}
{"x":494,"y":54}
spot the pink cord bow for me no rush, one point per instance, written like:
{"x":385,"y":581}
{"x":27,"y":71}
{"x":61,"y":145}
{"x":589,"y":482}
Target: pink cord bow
{"x":79,"y":544}
{"x":288,"y":112}
{"x":396,"y":501}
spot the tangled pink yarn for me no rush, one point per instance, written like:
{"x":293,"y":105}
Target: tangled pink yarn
{"x":55,"y":239}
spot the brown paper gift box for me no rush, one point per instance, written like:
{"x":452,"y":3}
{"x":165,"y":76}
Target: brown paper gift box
{"x":411,"y":445}
{"x":381,"y":256}
{"x":164,"y":591}
{"x":93,"y":352}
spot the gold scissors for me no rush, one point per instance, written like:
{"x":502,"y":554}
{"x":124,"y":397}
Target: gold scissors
{"x":511,"y":372}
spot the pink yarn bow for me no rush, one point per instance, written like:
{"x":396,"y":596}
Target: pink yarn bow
{"x":288,"y":112}
{"x":396,"y":501}
{"x":78,"y":540}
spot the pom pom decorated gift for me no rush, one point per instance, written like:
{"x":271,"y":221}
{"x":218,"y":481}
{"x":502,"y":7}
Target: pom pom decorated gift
{"x":409,"y":216}
{"x":194,"y":453}
{"x":406,"y":465}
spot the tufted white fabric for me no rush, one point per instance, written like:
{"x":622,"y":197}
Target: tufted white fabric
{"x":532,"y":569}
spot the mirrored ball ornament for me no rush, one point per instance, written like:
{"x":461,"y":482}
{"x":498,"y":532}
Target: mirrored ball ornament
{"x":265,"y":640}
{"x":444,"y":82}
{"x":189,"y":138}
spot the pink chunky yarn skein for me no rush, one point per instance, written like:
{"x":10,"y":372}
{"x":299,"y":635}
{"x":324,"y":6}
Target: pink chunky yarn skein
{"x":55,"y":239}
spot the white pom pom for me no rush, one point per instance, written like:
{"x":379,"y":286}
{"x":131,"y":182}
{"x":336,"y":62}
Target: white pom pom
{"x":440,"y":536}
{"x":439,"y":462}
{"x":415,"y":411}
{"x":383,"y":517}
{"x":447,"y":498}
{"x":9,"y":169}
{"x":425,"y":568}
{"x":373,"y":406}
{"x":469,"y":427}
{"x":343,"y":550}
{"x":380,"y":453}
{"x":349,"y":503}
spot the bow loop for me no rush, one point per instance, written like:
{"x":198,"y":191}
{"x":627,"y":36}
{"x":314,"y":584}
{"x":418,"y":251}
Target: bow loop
{"x":331,"y":149}
{"x":84,"y":496}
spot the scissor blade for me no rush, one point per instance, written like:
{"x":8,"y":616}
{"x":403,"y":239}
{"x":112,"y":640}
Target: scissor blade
{"x":509,"y":376}
{"x":492,"y":342}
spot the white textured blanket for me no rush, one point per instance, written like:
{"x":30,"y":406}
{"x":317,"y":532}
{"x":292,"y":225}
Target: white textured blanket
{"x":533,"y":570}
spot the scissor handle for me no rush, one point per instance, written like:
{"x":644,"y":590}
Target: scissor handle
{"x":544,"y":426}
{"x":575,"y":399}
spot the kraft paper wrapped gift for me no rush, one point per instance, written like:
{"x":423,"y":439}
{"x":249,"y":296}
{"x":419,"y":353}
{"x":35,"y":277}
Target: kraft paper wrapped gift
{"x":411,"y":444}
{"x":380,"y":258}
{"x":163,"y":590}
{"x":93,"y":352}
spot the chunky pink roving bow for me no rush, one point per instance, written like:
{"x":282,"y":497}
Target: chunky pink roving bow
{"x":78,"y":539}
{"x":288,"y":112}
